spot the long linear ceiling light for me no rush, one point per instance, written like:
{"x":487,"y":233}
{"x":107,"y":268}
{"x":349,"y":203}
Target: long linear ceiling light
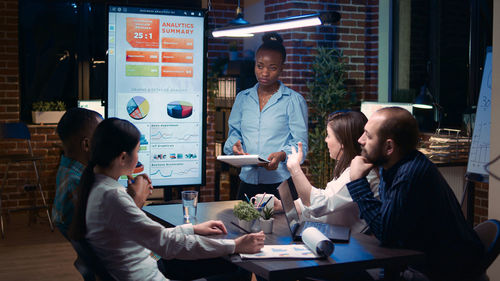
{"x":279,"y":24}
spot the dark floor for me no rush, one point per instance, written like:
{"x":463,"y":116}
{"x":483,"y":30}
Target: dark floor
{"x":33,"y":252}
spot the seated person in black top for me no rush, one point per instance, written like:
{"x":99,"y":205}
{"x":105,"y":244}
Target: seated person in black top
{"x":417,"y":208}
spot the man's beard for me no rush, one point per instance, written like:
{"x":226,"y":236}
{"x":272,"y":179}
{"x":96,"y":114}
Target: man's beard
{"x":376,"y":157}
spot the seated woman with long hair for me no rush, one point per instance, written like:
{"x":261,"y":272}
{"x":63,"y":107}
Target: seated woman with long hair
{"x":111,"y":220}
{"x":333,"y":204}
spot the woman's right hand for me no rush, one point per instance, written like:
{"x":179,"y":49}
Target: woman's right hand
{"x":139,"y":188}
{"x":238,"y":149}
{"x":294,"y":159}
{"x":250,"y":243}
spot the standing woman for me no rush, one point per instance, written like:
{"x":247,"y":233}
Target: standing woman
{"x":109,"y":217}
{"x":267,"y":119}
{"x":334,"y":204}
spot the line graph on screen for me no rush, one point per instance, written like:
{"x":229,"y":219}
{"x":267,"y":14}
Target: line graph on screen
{"x":178,"y":169}
{"x":186,"y":132}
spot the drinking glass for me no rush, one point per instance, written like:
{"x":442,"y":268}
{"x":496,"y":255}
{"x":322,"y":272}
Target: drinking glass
{"x":189,"y":203}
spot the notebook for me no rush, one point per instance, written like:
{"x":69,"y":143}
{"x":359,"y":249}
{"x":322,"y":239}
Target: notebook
{"x":333,"y":232}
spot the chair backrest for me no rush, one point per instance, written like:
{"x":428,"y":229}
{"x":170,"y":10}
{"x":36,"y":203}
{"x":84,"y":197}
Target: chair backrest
{"x":489,"y":233}
{"x":94,"y":267}
{"x":14,"y":131}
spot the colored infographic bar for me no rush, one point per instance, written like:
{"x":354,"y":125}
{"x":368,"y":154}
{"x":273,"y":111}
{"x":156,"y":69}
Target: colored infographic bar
{"x":142,"y":56}
{"x":177,"y":43}
{"x":176,"y":57}
{"x":142,"y":70}
{"x":176,"y":71}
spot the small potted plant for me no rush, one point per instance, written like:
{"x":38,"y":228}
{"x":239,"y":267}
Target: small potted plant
{"x":48,"y":112}
{"x":266,"y":220}
{"x":246,"y":214}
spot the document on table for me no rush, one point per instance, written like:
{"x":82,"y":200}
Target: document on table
{"x":283,"y":251}
{"x":316,"y":245}
{"x":242,"y":160}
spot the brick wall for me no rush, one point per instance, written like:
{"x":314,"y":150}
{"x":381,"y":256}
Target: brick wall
{"x":9,"y":66}
{"x":45,"y":143}
{"x":480,"y":202}
{"x":356,"y":35}
{"x":221,"y":12}
{"x":44,"y":140}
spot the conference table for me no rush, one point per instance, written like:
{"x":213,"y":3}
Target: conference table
{"x":360,"y":253}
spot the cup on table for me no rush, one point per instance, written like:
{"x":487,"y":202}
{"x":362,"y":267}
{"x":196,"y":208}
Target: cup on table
{"x":259,"y":200}
{"x":189,"y":203}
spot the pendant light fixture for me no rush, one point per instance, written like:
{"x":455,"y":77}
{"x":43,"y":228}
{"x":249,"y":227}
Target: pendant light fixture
{"x":275,"y":25}
{"x":239,"y":20}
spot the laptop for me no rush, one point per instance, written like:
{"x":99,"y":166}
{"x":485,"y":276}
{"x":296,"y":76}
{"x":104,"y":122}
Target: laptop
{"x":335,"y":233}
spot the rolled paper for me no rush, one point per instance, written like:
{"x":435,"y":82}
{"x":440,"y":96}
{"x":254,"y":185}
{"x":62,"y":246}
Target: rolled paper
{"x":317,"y":242}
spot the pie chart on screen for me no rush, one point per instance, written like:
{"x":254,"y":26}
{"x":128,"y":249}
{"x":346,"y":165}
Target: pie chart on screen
{"x":138,"y":107}
{"x":179,"y":109}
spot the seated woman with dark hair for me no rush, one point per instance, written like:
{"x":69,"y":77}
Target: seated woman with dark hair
{"x":333,"y":204}
{"x":111,"y":220}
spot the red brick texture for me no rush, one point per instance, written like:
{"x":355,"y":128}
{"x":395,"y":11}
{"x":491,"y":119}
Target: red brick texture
{"x":480,"y":202}
{"x":356,"y":34}
{"x":44,"y":141}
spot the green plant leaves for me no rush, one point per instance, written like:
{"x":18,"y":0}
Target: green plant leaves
{"x":245,"y":211}
{"x":327,"y":93}
{"x":267,"y":213}
{"x":49,"y":106}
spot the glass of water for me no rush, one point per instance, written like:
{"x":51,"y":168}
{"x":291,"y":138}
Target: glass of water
{"x":189,"y":203}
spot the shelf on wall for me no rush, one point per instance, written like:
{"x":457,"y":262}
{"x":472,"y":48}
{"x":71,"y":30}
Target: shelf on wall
{"x":223,"y":102}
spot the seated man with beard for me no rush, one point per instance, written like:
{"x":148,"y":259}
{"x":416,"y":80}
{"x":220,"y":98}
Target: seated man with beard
{"x":417,"y":209}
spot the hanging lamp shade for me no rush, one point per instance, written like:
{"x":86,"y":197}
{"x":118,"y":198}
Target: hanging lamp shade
{"x":424,"y":99}
{"x":239,"y":20}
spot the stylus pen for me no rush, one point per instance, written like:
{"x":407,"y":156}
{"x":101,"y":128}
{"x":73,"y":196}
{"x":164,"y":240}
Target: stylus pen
{"x":244,"y":230}
{"x":260,"y":202}
{"x":265,"y":203}
{"x":248,"y":200}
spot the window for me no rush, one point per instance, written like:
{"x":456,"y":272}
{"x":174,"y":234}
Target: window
{"x":431,"y":52}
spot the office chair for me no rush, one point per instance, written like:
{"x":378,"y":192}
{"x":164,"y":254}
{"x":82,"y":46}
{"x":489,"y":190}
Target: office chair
{"x":489,"y":233}
{"x":88,"y":263}
{"x":20,"y":131}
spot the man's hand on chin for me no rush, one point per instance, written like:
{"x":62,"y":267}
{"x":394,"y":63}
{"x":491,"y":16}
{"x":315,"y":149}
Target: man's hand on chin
{"x":360,"y":167}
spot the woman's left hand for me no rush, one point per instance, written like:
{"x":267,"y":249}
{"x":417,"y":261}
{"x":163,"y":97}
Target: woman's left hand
{"x":210,"y":228}
{"x":274,"y":159}
{"x":294,"y":159}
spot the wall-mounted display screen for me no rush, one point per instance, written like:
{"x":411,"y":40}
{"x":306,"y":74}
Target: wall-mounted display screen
{"x":156,"y":73}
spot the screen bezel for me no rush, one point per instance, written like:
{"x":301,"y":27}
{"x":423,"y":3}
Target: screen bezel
{"x":204,"y":79}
